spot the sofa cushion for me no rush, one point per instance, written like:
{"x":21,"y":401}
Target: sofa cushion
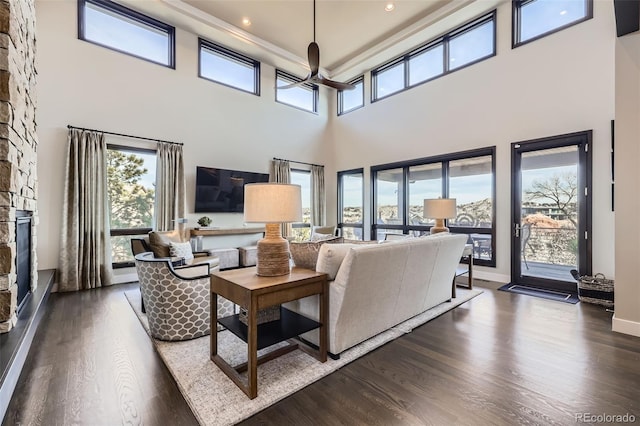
{"x":361,"y":241}
{"x":305,"y":254}
{"x":181,"y":250}
{"x":160,"y":242}
{"x":330,"y":258}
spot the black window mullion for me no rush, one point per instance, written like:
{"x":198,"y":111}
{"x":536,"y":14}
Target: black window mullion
{"x":406,"y":71}
{"x":405,"y":194}
{"x":444,"y":39}
{"x":445,"y":54}
{"x":444,"y":161}
{"x":445,"y":183}
{"x":516,"y":22}
{"x":125,"y":13}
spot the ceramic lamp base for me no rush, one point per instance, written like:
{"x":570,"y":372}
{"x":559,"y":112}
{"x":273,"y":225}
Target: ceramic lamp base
{"x":273,"y":253}
{"x":439,"y":227}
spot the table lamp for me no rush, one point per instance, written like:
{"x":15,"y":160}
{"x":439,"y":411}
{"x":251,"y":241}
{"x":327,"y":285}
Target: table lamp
{"x":440,"y":209}
{"x":272,"y":204}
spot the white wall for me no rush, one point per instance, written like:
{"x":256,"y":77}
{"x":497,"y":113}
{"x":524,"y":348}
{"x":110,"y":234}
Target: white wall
{"x":627,"y":158}
{"x":85,"y":85}
{"x":559,"y":84}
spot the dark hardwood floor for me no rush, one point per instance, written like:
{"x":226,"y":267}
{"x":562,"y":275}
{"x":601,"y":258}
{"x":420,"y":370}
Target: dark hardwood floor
{"x":499,"y":359}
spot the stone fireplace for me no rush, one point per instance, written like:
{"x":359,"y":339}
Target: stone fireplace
{"x":18,"y":147}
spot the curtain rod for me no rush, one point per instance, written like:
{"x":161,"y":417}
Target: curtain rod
{"x":122,"y":134}
{"x":298,"y":162}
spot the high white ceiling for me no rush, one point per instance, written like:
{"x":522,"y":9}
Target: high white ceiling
{"x":344,"y":29}
{"x":353,"y":35}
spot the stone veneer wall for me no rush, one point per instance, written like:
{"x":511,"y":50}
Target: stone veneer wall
{"x":18,"y":143}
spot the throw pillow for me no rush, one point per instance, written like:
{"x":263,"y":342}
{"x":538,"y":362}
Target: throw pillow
{"x":330,"y":258}
{"x":305,"y":255}
{"x":321,"y":237}
{"x":160,"y":242}
{"x":182,"y":250}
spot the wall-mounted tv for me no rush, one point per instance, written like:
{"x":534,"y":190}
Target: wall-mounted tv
{"x":221,"y":190}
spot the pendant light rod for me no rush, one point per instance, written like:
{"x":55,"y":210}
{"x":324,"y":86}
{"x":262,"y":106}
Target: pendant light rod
{"x":314,"y":21}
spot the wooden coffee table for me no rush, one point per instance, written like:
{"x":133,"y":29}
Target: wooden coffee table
{"x":245,"y":288}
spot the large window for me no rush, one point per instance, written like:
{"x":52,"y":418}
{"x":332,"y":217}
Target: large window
{"x":351,"y":203}
{"x":302,"y":230}
{"x":466,"y":45}
{"x":534,"y":19}
{"x":131,"y":178}
{"x":349,"y":100}
{"x":304,"y":96}
{"x":227,"y":67}
{"x":119,"y":28}
{"x":399,"y":191}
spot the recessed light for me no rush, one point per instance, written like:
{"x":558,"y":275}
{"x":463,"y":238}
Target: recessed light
{"x":389,"y":7}
{"x":563,"y":12}
{"x":246,"y":22}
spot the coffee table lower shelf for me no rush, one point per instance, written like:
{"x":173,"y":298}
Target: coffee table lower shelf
{"x":288,"y":326}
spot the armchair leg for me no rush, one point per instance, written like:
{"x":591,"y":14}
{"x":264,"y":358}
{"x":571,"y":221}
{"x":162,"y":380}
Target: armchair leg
{"x":144,"y":311}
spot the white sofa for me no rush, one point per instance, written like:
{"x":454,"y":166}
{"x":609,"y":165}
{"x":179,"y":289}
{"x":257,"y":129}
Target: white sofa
{"x":373,"y":287}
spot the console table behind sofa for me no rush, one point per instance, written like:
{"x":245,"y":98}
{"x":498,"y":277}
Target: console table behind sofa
{"x":226,"y":241}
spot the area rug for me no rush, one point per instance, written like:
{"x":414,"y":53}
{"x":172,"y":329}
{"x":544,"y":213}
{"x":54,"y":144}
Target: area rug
{"x":216,"y":400}
{"x":558,"y":296}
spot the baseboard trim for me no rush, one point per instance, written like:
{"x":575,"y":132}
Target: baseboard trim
{"x":625,"y":326}
{"x":490,"y":276}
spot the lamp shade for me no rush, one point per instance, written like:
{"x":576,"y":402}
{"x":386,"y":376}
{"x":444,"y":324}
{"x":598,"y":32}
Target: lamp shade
{"x":272,"y":203}
{"x":440,"y":208}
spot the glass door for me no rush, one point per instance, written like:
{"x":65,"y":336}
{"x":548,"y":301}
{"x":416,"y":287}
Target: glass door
{"x":551,"y":211}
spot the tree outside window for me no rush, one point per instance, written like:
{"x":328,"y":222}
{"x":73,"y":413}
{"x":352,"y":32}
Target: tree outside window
{"x":131,"y":192}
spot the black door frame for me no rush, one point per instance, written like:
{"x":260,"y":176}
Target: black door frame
{"x":584,"y":142}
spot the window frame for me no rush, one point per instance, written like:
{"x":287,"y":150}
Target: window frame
{"x":295,"y":79}
{"x":516,"y":15}
{"x":340,"y":97}
{"x":126,"y":232}
{"x":444,"y":159}
{"x":133,"y":15}
{"x":441,"y":40}
{"x":204,"y":44}
{"x":341,"y":225}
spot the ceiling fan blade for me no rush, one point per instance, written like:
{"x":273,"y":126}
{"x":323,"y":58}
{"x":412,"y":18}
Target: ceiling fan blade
{"x":313,"y":53}
{"x":299,"y":83}
{"x":334,"y":84}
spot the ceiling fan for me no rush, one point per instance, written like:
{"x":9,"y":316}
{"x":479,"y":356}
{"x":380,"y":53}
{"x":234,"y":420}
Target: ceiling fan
{"x":313,"y":55}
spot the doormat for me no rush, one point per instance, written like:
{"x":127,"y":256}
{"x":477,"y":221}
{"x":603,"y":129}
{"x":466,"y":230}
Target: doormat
{"x":556,"y":295}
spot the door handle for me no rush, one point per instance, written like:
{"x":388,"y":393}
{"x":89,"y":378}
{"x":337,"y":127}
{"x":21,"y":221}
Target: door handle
{"x":516,"y":230}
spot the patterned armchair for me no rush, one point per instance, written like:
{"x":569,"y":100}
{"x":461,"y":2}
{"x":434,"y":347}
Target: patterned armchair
{"x":177,"y":300}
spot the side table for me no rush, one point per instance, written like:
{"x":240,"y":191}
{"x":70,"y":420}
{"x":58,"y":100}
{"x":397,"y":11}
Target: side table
{"x":461,"y":270}
{"x":252,"y":292}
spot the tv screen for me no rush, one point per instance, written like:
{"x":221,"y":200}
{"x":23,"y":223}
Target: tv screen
{"x":221,"y":190}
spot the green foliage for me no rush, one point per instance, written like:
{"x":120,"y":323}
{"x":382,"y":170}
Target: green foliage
{"x":204,"y":221}
{"x":131,"y":204}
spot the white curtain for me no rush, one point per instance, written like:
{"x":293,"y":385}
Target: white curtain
{"x":85,"y":246}
{"x":170,"y":186}
{"x":318,"y":209}
{"x":280,"y":172}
